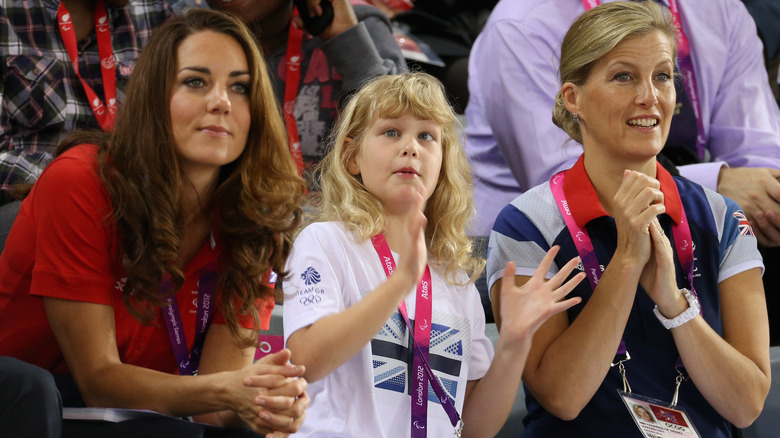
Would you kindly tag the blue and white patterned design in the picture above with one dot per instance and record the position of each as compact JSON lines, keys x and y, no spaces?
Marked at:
{"x":310,"y":276}
{"x":392,"y":356}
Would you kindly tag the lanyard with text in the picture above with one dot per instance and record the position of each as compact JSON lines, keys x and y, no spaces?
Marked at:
{"x":685,"y":63}
{"x":105,"y":114}
{"x":293,"y":60}
{"x":682,"y":241}
{"x":422,"y":339}
{"x":207,"y":285}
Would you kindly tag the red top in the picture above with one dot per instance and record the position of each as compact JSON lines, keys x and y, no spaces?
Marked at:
{"x":585,"y":204}
{"x":64,"y":244}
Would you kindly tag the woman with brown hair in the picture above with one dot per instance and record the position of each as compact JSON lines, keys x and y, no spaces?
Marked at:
{"x":153,"y":247}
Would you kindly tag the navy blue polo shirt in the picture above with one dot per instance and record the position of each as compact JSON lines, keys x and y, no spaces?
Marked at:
{"x":724,"y":245}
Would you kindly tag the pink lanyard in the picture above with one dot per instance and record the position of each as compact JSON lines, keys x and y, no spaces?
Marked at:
{"x":105,"y":115}
{"x":681,"y":233}
{"x":293,"y":59}
{"x":422,"y":340}
{"x":187,"y":362}
{"x":685,"y":64}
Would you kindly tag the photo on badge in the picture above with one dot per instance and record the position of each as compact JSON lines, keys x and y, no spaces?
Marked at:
{"x":655,"y":419}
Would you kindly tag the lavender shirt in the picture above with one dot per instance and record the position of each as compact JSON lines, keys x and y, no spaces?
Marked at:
{"x":513,"y":77}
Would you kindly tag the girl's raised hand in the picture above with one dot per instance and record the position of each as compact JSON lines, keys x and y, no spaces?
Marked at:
{"x":525,"y":308}
{"x":413,"y":254}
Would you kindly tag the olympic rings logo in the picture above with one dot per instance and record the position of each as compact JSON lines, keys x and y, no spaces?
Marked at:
{"x":311,"y":299}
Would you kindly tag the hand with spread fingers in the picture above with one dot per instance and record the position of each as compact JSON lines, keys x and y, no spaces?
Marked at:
{"x":525,"y":308}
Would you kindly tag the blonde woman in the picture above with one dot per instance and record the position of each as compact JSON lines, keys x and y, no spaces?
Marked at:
{"x":674,"y":272}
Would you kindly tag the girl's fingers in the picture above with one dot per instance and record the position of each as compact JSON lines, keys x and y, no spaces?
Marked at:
{"x":547,"y":261}
{"x":508,"y":279}
{"x":564,"y":305}
{"x":564,"y":272}
{"x":567,"y":287}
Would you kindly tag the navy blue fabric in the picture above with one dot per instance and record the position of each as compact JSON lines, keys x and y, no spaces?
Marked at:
{"x":651,"y":370}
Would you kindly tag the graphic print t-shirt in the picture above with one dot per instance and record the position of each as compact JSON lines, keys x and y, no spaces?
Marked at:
{"x":369,"y":395}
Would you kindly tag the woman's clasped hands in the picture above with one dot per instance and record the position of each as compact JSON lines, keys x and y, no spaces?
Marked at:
{"x":636,"y":206}
{"x":270,"y":396}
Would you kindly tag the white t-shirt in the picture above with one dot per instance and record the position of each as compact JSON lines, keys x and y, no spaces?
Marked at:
{"x":368,"y":396}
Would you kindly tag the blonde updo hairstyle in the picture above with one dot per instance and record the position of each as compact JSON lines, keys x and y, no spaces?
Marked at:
{"x":450,"y":207}
{"x":594,"y":34}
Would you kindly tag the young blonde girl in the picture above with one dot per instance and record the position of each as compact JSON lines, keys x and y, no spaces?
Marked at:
{"x":396,"y":188}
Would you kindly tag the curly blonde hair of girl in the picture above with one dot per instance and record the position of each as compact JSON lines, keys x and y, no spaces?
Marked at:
{"x":451,"y":205}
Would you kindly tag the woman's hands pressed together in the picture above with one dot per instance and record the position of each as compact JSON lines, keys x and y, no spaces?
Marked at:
{"x":635,"y":205}
{"x":641,"y":240}
{"x":272,"y":395}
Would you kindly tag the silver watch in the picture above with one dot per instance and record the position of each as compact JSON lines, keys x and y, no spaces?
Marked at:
{"x":687,"y":315}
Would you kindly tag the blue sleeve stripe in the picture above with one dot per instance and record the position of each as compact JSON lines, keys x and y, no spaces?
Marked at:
{"x":514,"y":224}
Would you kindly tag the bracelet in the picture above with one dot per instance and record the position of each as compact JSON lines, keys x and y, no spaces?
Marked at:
{"x":687,"y":315}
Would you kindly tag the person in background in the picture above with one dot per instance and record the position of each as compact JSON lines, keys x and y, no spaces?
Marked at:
{"x":137,"y":270}
{"x":449,"y":27}
{"x":766,"y":14}
{"x":674,"y":274}
{"x":314,"y":74}
{"x":513,"y":145}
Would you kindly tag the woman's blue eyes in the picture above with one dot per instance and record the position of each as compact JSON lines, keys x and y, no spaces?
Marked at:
{"x":239,"y":87}
{"x":426,"y":136}
{"x":193,"y":82}
{"x":623,"y":77}
{"x":391,"y":133}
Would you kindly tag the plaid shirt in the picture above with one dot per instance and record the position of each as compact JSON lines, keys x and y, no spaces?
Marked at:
{"x":41,"y":98}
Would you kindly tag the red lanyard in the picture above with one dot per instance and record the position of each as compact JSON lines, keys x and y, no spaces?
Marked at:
{"x":681,"y":233}
{"x":105,"y":115}
{"x":293,"y":59}
{"x":422,"y":340}
{"x":685,"y":63}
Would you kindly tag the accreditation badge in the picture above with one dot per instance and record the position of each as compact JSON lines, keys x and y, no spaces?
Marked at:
{"x":655,"y":419}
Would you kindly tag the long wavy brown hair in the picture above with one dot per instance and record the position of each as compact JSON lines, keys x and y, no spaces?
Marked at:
{"x":255,"y":206}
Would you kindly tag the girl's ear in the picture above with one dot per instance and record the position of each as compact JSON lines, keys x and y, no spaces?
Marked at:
{"x":353,"y":167}
{"x":570,"y":93}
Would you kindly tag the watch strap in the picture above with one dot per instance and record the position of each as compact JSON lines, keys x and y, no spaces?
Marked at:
{"x":687,"y":314}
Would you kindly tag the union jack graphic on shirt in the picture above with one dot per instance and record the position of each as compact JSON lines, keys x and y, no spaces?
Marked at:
{"x":392,"y":354}
{"x":744,"y":224}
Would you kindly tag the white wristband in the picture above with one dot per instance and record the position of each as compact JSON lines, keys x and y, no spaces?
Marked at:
{"x":687,"y":315}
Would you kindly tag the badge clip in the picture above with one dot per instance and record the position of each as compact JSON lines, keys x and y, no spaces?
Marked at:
{"x":622,"y":371}
{"x":677,"y":382}
{"x":458,"y":429}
